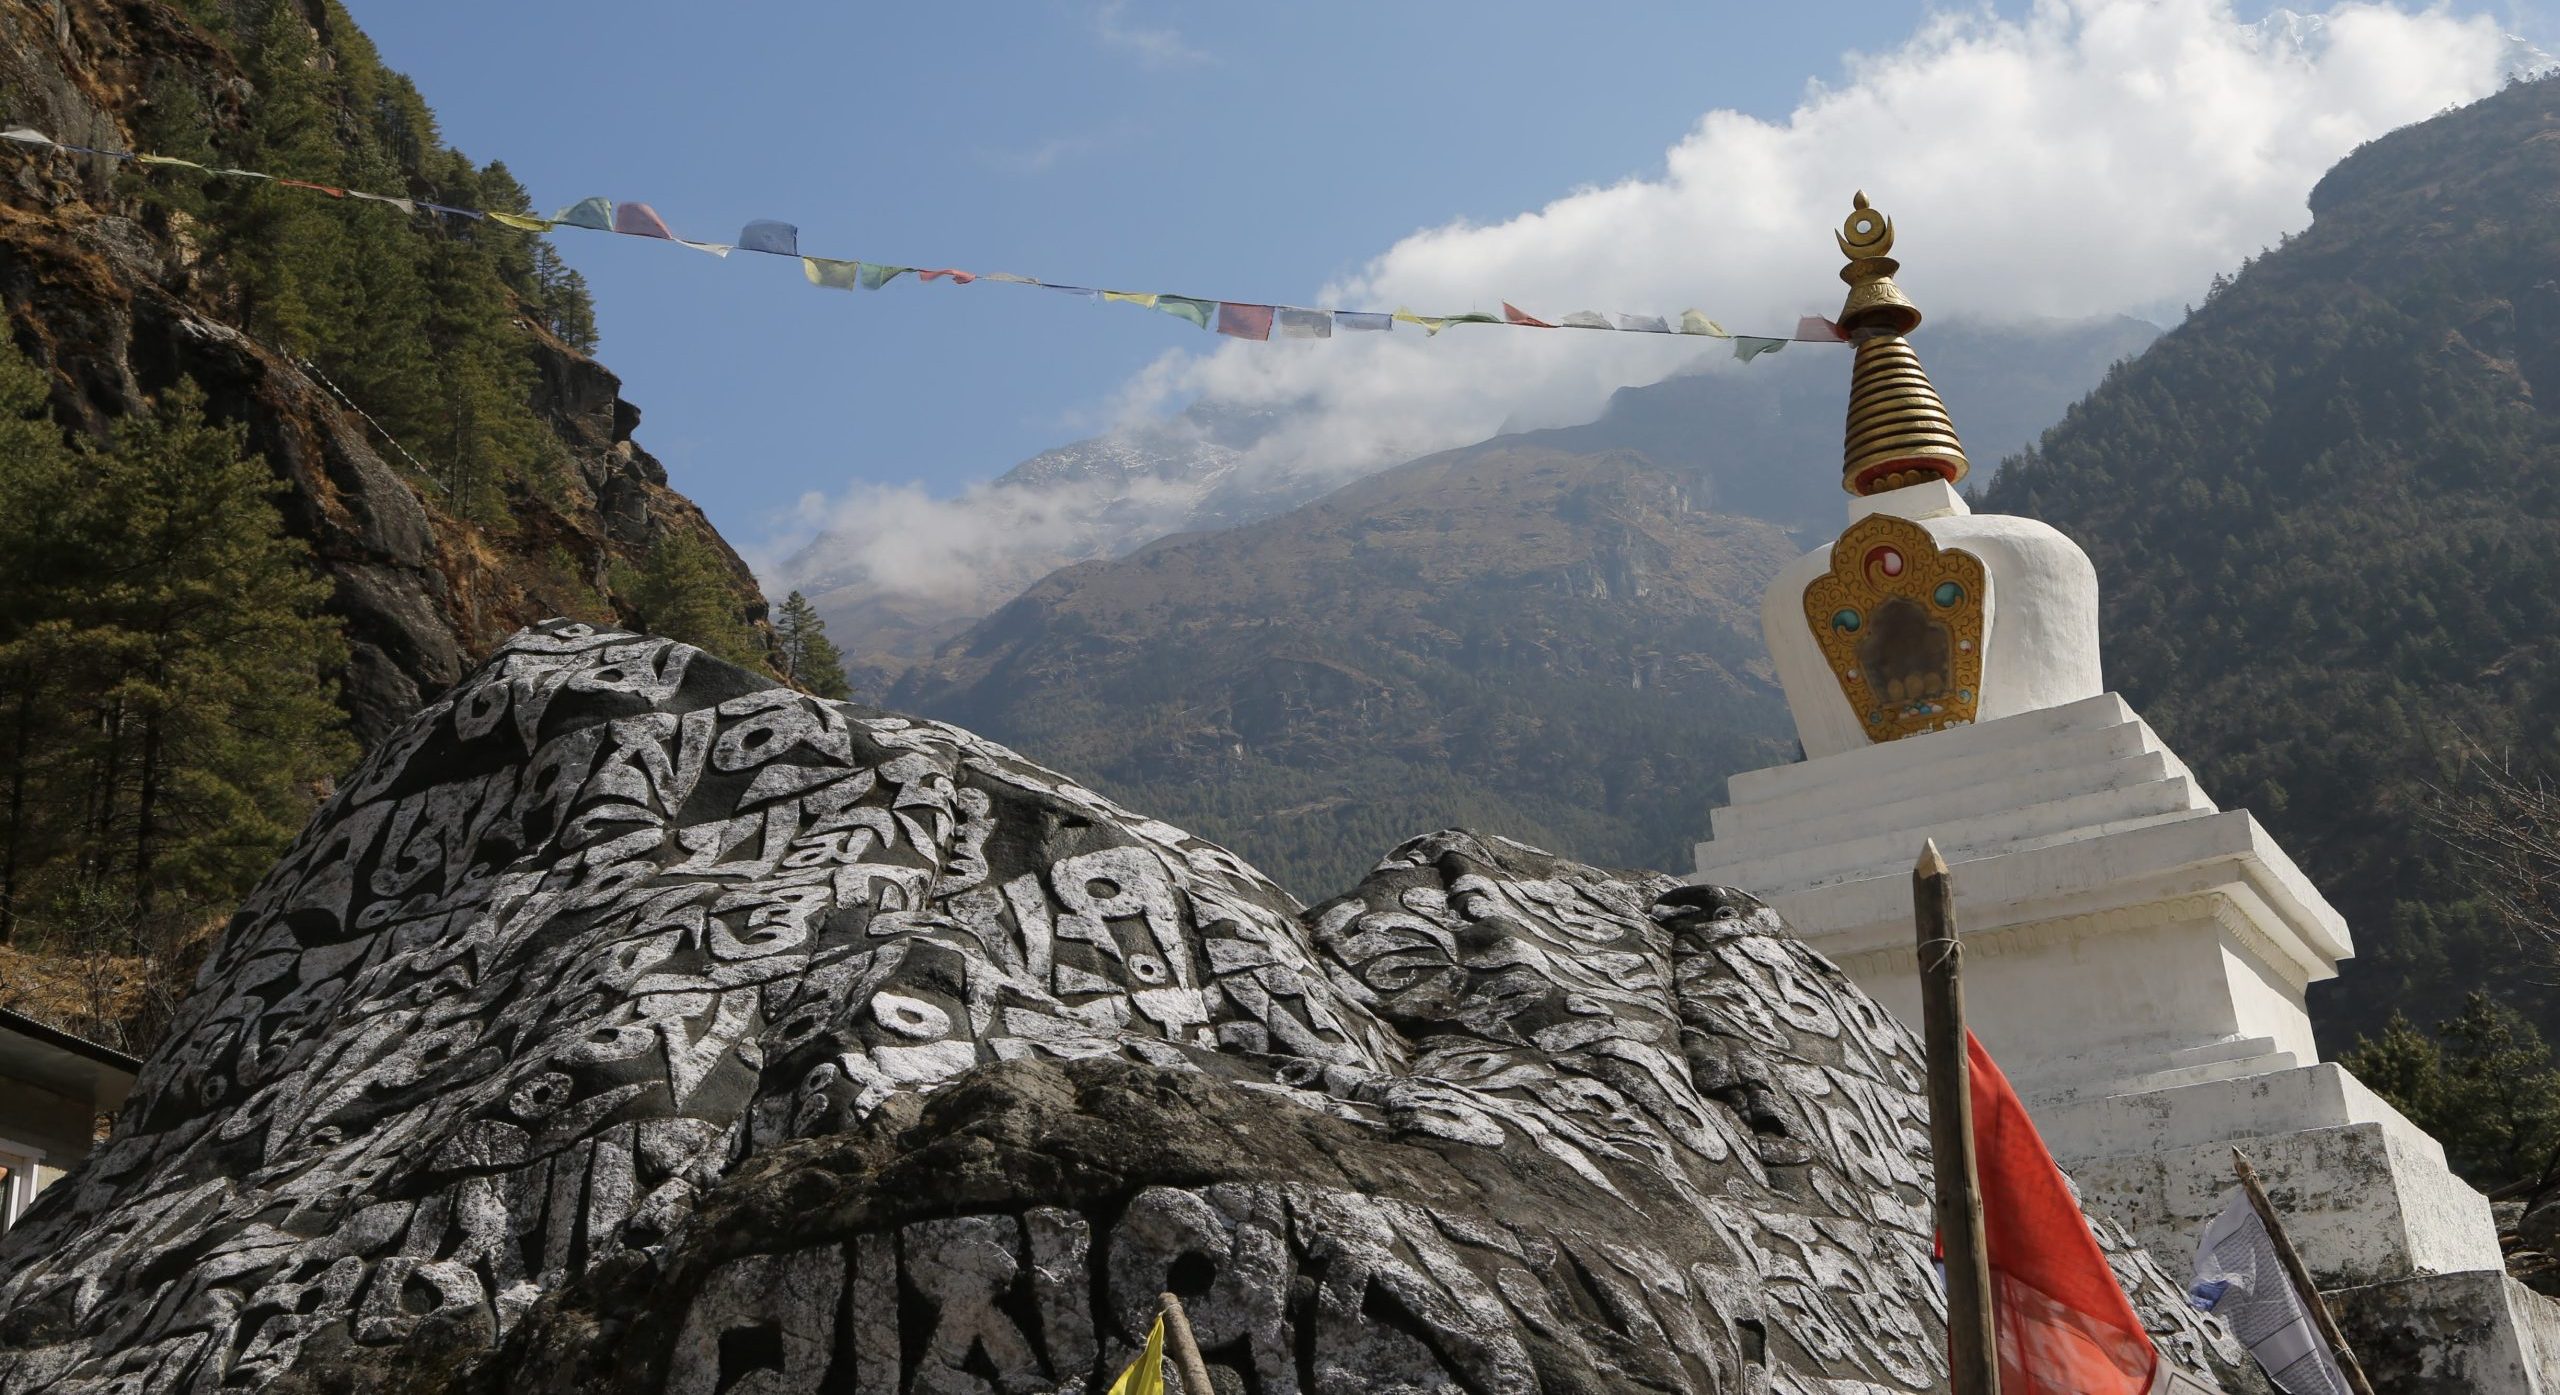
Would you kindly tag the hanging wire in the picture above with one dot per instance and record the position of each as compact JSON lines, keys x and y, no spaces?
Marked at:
{"x":335,"y":391}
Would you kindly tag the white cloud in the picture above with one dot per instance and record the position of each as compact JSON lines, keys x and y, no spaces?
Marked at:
{"x":1153,"y":45}
{"x":2096,"y":156}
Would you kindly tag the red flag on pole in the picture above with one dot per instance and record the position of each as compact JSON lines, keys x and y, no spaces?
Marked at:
{"x":2064,"y":1324}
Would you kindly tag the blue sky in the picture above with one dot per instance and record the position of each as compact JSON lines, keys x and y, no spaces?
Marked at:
{"x":1245,"y":151}
{"x":1252,"y":151}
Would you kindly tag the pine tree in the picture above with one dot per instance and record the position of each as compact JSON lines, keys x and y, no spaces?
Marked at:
{"x":39,"y":572}
{"x":165,"y":719}
{"x":215,"y":720}
{"x":682,"y":592}
{"x":807,"y":656}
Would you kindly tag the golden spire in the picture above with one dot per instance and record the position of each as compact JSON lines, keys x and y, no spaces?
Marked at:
{"x":1898,"y":432}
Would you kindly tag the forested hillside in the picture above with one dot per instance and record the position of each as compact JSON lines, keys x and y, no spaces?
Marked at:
{"x":1561,"y":647}
{"x":217,"y":579}
{"x":2325,"y":511}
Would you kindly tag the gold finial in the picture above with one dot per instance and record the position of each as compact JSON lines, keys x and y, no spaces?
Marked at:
{"x":1899,"y":432}
{"x":1865,"y":232}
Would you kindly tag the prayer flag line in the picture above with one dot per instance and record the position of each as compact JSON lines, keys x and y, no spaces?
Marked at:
{"x":1239,"y":319}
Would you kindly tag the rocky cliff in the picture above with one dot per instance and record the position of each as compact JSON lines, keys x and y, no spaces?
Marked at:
{"x":626,"y":1024}
{"x":119,"y":296}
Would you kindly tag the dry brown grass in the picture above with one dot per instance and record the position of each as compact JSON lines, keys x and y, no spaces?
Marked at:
{"x":123,"y":1000}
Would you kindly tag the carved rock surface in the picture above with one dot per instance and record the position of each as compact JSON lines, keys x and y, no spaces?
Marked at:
{"x":625,"y":1024}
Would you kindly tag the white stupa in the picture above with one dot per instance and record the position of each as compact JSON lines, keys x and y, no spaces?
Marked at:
{"x":2135,"y":957}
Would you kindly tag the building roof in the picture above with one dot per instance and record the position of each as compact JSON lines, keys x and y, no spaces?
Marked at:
{"x":53,"y":1059}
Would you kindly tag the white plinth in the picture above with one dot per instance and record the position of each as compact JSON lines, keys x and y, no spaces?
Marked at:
{"x":2135,"y":958}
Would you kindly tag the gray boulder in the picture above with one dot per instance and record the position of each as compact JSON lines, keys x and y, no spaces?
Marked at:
{"x":627,"y":1024}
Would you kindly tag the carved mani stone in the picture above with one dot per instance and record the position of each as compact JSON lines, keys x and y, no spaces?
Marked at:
{"x":626,"y":1024}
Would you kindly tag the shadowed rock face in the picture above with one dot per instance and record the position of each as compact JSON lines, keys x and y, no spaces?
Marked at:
{"x":626,"y":1025}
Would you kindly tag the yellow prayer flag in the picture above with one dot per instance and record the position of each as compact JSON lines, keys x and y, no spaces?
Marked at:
{"x":1694,"y":322}
{"x":828,"y":271}
{"x":1145,"y":298}
{"x":1431,"y":324}
{"x":521,"y":223}
{"x":1145,"y":1375}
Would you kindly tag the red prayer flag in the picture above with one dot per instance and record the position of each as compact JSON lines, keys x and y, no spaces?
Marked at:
{"x":2064,"y":1324}
{"x":1518,"y":316}
{"x":1244,"y":321}
{"x":958,"y":278}
{"x":1815,"y":329}
{"x":316,"y":188}
{"x":640,"y":220}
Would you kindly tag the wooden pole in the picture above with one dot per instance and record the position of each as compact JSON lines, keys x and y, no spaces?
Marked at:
{"x":1973,"y":1351}
{"x":2300,"y":1274}
{"x":1186,"y":1348}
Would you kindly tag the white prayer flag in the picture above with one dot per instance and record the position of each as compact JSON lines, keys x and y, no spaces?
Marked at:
{"x":2239,"y":1279}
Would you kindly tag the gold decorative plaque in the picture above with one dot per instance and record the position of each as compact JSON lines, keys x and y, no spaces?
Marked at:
{"x":1900,"y":621}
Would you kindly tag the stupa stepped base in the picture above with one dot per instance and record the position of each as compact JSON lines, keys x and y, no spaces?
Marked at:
{"x":2136,"y":958}
{"x":2481,"y":1333}
{"x":2365,"y":1194}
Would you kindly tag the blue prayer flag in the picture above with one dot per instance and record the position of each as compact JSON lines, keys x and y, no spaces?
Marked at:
{"x":766,"y":235}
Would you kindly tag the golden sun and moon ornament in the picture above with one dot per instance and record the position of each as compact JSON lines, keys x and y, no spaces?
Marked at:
{"x":1900,"y":619}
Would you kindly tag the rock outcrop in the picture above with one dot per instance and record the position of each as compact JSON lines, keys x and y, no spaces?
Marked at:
{"x":119,"y":304}
{"x":626,"y":1024}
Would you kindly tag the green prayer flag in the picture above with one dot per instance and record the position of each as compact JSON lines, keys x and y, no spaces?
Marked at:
{"x":168,"y":160}
{"x":874,"y":275}
{"x":596,"y":213}
{"x":1747,"y":347}
{"x":1185,"y":307}
{"x":826,"y":271}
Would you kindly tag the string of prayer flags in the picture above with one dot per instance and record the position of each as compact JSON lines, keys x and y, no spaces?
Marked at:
{"x":772,"y":237}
